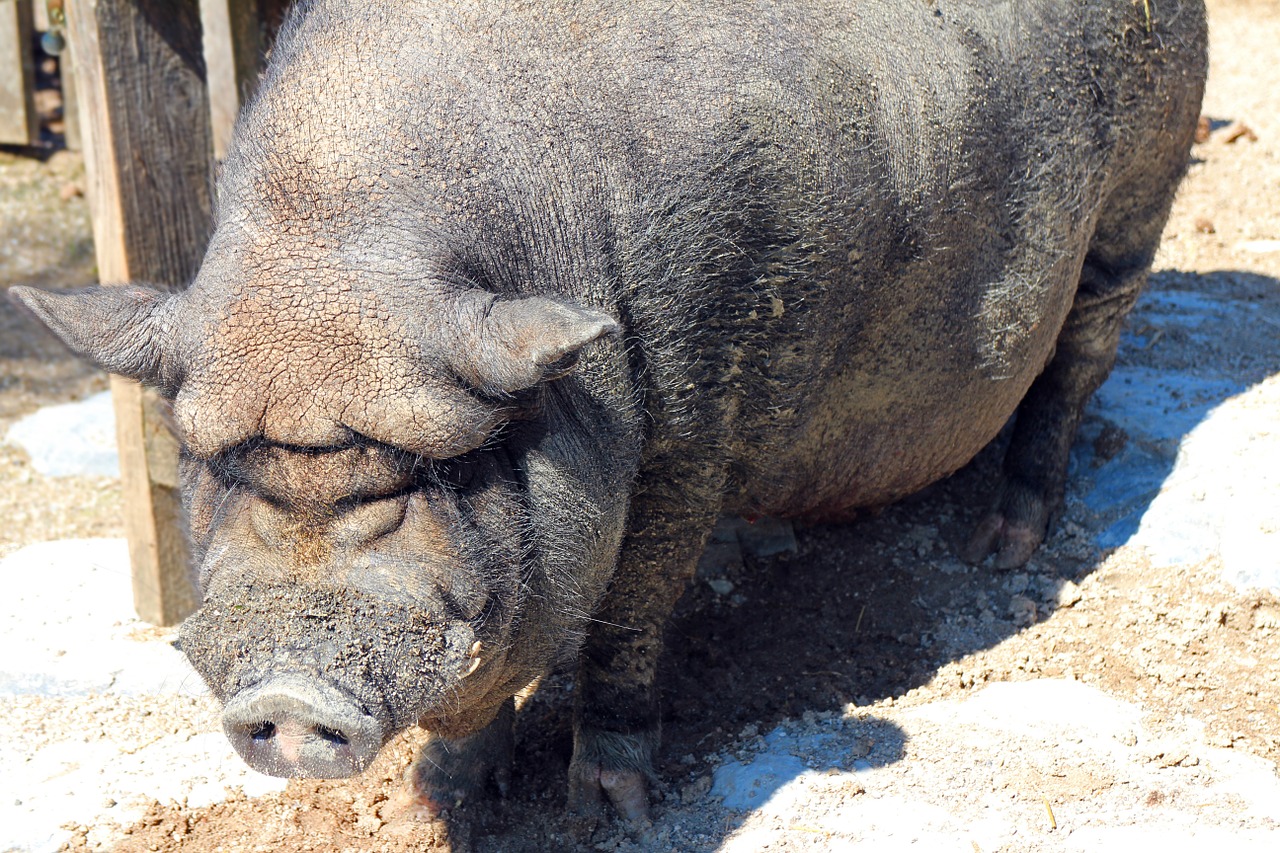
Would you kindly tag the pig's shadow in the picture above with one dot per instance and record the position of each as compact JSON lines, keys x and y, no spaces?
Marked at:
{"x":872,"y":609}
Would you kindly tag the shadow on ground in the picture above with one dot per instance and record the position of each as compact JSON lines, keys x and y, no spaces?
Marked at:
{"x":864,"y":612}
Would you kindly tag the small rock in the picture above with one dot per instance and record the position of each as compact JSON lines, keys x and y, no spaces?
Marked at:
{"x":861,"y":748}
{"x":70,"y":191}
{"x":695,"y":791}
{"x":720,"y":586}
{"x":851,"y":788}
{"x":767,"y":537}
{"x":1205,"y":225}
{"x":1109,"y":443}
{"x":368,"y":824}
{"x":1169,"y":755}
{"x":720,"y":557}
{"x":1022,"y":610}
{"x":1204,"y":127}
{"x":1220,"y":739}
{"x":1068,"y":594}
{"x":1266,"y":617}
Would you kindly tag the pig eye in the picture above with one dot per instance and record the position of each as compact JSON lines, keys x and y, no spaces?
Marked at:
{"x":228,"y":469}
{"x":455,"y":473}
{"x":458,"y":473}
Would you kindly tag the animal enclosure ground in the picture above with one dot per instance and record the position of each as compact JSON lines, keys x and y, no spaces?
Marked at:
{"x":867,"y":630}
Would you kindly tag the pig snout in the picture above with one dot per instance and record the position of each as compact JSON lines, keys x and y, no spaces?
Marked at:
{"x":294,"y":726}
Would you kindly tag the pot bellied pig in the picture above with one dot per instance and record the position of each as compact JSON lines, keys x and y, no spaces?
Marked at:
{"x":506,"y":305}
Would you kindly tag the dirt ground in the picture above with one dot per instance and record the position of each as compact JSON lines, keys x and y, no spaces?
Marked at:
{"x":874,"y":618}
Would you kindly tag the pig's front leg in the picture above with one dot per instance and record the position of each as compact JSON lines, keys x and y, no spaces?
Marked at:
{"x":616,"y":721}
{"x":448,"y":771}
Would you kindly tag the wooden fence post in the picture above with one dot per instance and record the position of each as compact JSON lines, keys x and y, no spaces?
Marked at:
{"x":18,"y":121}
{"x":144,"y":110}
{"x":234,"y":44}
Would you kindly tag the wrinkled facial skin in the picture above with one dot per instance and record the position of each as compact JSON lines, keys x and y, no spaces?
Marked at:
{"x":394,"y":516}
{"x":375,"y":574}
{"x":358,"y":586}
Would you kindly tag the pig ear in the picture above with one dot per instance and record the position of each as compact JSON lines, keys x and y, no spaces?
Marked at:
{"x":521,"y":342}
{"x":124,"y":329}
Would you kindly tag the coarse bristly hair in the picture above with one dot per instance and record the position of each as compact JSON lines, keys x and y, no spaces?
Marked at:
{"x":560,"y":289}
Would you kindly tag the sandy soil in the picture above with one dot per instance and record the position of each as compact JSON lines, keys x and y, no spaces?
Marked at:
{"x":872,"y":633}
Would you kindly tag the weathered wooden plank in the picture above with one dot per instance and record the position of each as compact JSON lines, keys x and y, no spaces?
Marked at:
{"x":233,"y":52}
{"x":237,"y":37}
{"x":70,"y":103}
{"x":145,"y":126}
{"x":19,"y":124}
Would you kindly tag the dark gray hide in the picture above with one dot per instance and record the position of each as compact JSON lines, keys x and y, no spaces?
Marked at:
{"x":505,"y":306}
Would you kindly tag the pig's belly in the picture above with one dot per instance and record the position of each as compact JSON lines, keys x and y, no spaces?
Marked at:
{"x":911,"y":398}
{"x":869,"y":442}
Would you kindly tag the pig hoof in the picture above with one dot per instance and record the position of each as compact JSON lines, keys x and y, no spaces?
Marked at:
{"x":1013,"y":530}
{"x":611,"y":766}
{"x":1013,"y":543}
{"x":627,"y":790}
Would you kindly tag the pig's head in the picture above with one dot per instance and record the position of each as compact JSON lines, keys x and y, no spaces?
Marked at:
{"x":381,"y":493}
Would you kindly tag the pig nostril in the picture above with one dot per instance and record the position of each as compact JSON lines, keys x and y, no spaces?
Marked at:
{"x":334,"y":737}
{"x":292,"y":725}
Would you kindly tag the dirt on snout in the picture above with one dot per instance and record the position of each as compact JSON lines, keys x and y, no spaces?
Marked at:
{"x":869,"y":657}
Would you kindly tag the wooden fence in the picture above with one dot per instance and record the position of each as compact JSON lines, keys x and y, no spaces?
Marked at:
{"x":19,"y":124}
{"x":152,"y":120}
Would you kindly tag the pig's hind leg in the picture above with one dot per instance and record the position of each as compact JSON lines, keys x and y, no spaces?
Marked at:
{"x":1114,"y":272}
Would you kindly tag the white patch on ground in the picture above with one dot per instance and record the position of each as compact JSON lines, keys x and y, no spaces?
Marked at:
{"x":68,"y":626}
{"x":68,"y":631}
{"x":1198,"y":475}
{"x":1225,"y":487}
{"x":1258,"y":247}
{"x":73,"y":439}
{"x":1052,"y":762}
